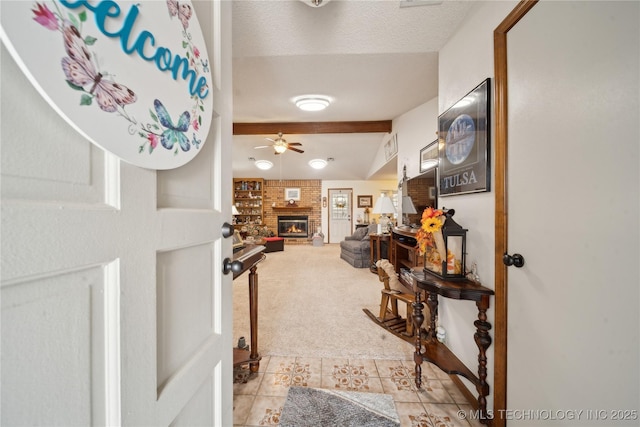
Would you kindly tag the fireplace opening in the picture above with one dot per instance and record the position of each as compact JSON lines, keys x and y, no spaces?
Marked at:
{"x":296,"y":226}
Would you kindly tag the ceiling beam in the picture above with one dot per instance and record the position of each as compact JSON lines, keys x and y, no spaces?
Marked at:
{"x":306,"y":128}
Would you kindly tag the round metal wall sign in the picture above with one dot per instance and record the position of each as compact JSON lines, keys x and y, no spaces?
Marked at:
{"x":132,"y":77}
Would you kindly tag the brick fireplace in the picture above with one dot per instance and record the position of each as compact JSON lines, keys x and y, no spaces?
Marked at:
{"x":309,"y":205}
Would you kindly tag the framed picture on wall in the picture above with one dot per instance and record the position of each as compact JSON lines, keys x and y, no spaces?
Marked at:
{"x":291,"y":194}
{"x":429,"y":157}
{"x":463,"y":138}
{"x":365,"y":201}
{"x":432,"y":192}
{"x":391,"y":147}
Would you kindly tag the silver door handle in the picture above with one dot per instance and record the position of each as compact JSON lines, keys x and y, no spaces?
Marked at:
{"x":227,"y":230}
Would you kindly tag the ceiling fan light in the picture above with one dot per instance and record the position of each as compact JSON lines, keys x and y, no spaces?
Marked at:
{"x":280,"y":148}
{"x":312,"y":103}
{"x":318,"y":163}
{"x":263,"y":164}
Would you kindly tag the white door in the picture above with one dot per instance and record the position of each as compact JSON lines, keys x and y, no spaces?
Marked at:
{"x":340,"y":224}
{"x":574,"y":211}
{"x":114,"y":307}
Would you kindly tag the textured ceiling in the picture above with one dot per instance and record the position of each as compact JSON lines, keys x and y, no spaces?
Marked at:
{"x":374,"y":59}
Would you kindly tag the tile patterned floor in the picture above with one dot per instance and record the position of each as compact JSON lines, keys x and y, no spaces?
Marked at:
{"x":258,"y":398}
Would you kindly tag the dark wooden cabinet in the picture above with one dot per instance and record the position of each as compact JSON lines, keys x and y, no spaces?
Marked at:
{"x":404,"y":249}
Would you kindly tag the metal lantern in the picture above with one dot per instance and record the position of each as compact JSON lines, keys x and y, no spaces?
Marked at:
{"x":455,"y":245}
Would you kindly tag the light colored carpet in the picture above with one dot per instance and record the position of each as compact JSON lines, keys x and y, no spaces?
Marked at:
{"x":313,"y":407}
{"x":310,"y":305}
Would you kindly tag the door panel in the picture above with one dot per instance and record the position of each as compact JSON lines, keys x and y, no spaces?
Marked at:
{"x":573,"y":151}
{"x":115,"y":310}
{"x":62,"y":310}
{"x":184,"y":308}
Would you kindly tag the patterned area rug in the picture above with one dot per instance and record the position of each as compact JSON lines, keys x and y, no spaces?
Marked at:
{"x":314,"y":407}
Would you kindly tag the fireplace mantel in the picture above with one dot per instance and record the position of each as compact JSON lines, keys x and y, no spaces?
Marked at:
{"x":291,"y":208}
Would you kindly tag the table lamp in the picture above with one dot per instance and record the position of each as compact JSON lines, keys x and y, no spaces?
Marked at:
{"x":384,"y":207}
{"x":407,"y":208}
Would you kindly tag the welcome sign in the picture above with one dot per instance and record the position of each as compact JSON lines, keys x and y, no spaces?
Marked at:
{"x":132,"y":77}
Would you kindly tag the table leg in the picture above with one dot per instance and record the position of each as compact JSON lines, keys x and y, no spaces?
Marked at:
{"x":418,"y":318}
{"x":432,"y":302}
{"x":253,"y":317}
{"x":483,"y":341}
{"x":372,"y":259}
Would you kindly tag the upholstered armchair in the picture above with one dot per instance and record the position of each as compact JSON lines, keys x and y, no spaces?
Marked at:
{"x":355,"y":249}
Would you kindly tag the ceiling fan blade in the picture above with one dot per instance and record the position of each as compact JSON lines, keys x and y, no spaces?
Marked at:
{"x":262,"y":146}
{"x":295,"y":149}
{"x":294,"y":143}
{"x":269,"y":139}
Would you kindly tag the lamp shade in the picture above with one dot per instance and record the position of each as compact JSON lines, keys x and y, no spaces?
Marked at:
{"x":384,"y":205}
{"x":407,"y":209}
{"x":408,"y":206}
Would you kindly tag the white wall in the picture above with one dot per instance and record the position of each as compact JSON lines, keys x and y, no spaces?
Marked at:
{"x":415,"y":130}
{"x":465,"y":61}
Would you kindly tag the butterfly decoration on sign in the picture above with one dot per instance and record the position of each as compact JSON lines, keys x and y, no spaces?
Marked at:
{"x":80,"y":72}
{"x":173,"y":133}
{"x":196,"y":142}
{"x":182,"y":11}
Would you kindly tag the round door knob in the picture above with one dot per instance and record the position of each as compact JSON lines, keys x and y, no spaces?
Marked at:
{"x":516,"y":260}
{"x":227,"y":230}
{"x":228,"y":266}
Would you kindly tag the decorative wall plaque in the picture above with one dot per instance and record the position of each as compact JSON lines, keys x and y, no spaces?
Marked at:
{"x":132,"y":77}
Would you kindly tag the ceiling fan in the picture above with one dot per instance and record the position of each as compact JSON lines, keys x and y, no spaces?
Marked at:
{"x":280,"y":145}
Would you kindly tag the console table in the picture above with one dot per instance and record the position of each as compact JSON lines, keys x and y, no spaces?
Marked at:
{"x":438,"y":353}
{"x":249,"y":257}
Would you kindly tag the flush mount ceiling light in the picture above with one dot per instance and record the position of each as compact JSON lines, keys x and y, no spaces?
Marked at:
{"x":412,"y":3}
{"x":315,"y":3}
{"x":318,"y":163}
{"x":312,"y":102}
{"x":263,"y":164}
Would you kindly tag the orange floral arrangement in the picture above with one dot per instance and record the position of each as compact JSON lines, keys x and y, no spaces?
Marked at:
{"x":431,"y":243}
{"x":431,"y":223}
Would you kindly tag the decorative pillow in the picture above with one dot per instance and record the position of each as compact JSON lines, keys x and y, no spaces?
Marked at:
{"x":394,"y":282}
{"x":360,"y":233}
